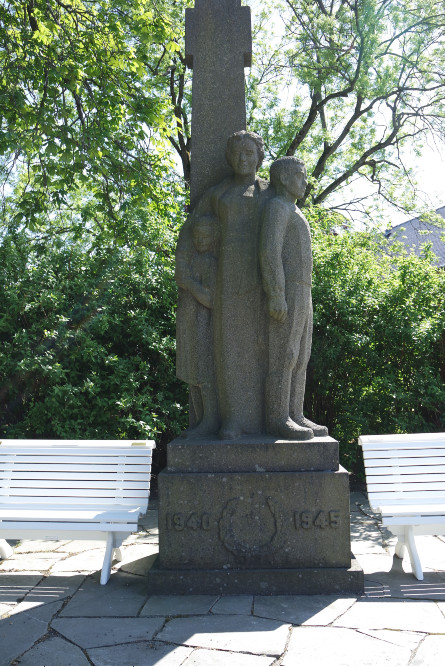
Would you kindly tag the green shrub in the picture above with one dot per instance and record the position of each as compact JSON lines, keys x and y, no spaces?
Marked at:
{"x":87,"y":341}
{"x":378,"y":355}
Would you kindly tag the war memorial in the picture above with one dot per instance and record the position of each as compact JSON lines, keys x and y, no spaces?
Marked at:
{"x":253,"y":499}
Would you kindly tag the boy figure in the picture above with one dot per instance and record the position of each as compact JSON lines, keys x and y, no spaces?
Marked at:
{"x":195,"y":306}
{"x":286,"y":269}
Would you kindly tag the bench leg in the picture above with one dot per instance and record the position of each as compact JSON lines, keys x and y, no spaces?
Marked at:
{"x":118,"y":554}
{"x":106,"y":567}
{"x":413,"y":555}
{"x":400,"y":547}
{"x":5,"y":549}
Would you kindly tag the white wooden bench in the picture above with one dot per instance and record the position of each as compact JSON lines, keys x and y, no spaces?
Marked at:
{"x":73,"y":489}
{"x":405,"y":476}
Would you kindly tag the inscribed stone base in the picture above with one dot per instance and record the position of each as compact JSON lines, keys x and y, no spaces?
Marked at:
{"x":280,"y":523}
{"x":303,"y":581}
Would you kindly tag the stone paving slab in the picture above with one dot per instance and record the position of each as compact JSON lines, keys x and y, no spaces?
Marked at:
{"x":407,"y":639}
{"x":54,"y":587}
{"x":404,"y":586}
{"x":431,"y":652}
{"x":79,"y":546}
{"x":233,"y":604}
{"x":31,"y":546}
{"x":18,"y":633}
{"x":13,"y":587}
{"x":123,"y":595}
{"x":54,"y":651}
{"x":87,"y":561}
{"x":36,"y":562}
{"x":341,"y":647}
{"x":413,"y":615}
{"x":35,"y":609}
{"x":178,"y":605}
{"x":96,"y":632}
{"x":141,"y":566}
{"x":141,"y":653}
{"x":201,"y":657}
{"x":237,"y":633}
{"x":302,"y":609}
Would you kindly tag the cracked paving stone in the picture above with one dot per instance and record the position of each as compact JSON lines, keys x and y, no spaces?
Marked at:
{"x":302,"y":609}
{"x":341,"y":647}
{"x":139,"y":653}
{"x":178,"y":605}
{"x":18,"y":633}
{"x":233,"y":604}
{"x":430,"y":653}
{"x":123,"y":595}
{"x":97,"y":632}
{"x":394,"y":615}
{"x":230,"y":633}
{"x":202,"y":657}
{"x":54,"y":651}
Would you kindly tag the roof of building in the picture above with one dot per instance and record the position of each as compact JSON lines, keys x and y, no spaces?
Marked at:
{"x":414,"y":233}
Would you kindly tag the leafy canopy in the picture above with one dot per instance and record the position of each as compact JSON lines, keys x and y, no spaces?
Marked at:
{"x":365,"y":86}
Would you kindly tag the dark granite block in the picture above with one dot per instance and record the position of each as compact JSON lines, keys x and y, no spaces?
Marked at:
{"x":306,"y":581}
{"x":255,"y":454}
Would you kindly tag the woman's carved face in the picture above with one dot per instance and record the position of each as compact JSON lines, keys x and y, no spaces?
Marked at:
{"x":243,"y":157}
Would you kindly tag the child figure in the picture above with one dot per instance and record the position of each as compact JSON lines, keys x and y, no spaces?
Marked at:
{"x":195,"y":306}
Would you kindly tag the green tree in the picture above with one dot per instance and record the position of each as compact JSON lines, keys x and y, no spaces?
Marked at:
{"x":365,"y":81}
{"x":84,"y":105}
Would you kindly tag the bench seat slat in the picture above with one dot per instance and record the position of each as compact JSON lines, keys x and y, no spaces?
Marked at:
{"x":413,"y":510}
{"x":406,"y":496}
{"x":107,"y":445}
{"x":56,"y":459}
{"x":56,"y":484}
{"x":26,"y":514}
{"x":400,"y":454}
{"x":384,"y":467}
{"x":77,"y":493}
{"x":366,"y":441}
{"x":78,"y":468}
{"x":407,"y":476}
{"x":406,"y":484}
{"x":74,"y":501}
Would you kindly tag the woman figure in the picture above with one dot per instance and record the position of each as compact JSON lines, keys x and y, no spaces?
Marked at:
{"x":239,"y":314}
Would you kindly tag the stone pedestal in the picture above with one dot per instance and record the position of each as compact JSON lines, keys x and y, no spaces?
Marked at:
{"x":254,"y":516}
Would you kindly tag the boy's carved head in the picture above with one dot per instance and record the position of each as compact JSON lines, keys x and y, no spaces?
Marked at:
{"x":289,"y":174}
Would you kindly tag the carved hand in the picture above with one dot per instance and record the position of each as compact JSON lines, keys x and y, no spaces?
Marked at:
{"x":278,"y":308}
{"x":203,"y":295}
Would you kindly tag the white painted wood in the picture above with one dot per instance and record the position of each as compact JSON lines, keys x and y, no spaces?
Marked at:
{"x":5,"y":550}
{"x":405,"y":476}
{"x":73,"y":490}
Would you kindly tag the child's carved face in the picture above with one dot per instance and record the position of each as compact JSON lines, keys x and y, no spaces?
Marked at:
{"x":203,"y":234}
{"x":203,"y":238}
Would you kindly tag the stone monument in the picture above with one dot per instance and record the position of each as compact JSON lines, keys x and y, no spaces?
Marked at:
{"x":253,"y":499}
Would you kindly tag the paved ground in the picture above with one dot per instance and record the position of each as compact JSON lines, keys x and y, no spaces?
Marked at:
{"x":54,"y":612}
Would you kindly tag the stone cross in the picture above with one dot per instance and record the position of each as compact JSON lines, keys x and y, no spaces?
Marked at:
{"x":218,"y":45}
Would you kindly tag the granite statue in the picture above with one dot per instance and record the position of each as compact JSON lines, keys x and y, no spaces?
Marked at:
{"x":258,"y":316}
{"x":286,"y":271}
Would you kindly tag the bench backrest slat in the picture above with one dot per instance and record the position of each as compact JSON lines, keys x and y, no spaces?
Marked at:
{"x":75,"y":472}
{"x":402,"y":439}
{"x":404,"y":468}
